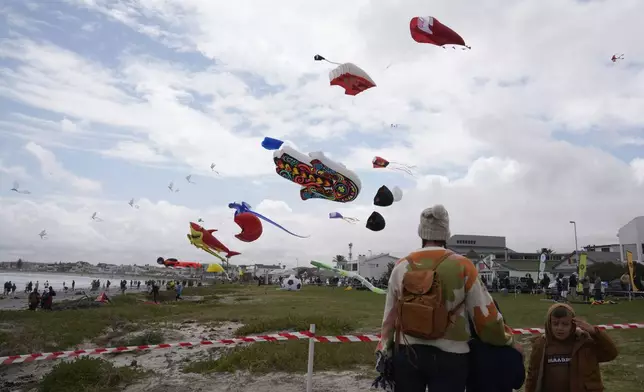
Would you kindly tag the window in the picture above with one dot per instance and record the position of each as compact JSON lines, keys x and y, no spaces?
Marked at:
{"x":605,"y":249}
{"x":466,"y":242}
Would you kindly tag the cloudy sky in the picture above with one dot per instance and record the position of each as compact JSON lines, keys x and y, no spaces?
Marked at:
{"x":102,"y":101}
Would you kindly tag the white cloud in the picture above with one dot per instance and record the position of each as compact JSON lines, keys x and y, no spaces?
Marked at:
{"x":482,"y":126}
{"x":638,"y":169}
{"x":135,"y":151}
{"x":18,"y":172}
{"x":67,"y":125}
{"x":50,"y":167}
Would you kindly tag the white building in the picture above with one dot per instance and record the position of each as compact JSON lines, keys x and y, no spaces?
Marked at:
{"x":372,"y":266}
{"x":631,"y":238}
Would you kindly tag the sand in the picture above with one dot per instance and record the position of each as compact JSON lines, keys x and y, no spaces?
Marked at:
{"x":166,"y":366}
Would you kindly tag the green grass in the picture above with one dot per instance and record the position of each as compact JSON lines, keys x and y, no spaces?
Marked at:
{"x":265,"y":309}
{"x":88,"y":375}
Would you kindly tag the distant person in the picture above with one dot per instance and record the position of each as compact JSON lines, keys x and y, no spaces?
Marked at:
{"x":573,"y":284}
{"x":47,"y":299}
{"x":598,"y":288}
{"x":138,"y":285}
{"x":585,"y":285}
{"x":13,"y":288}
{"x":155,"y":292}
{"x":108,"y":284}
{"x":625,"y":281}
{"x":426,"y":349}
{"x":36,"y":287}
{"x":567,"y":357}
{"x":73,"y":284}
{"x":179,"y":289}
{"x":123,"y":286}
{"x":47,"y":284}
{"x":33,"y":300}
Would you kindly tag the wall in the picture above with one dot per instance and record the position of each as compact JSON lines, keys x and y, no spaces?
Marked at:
{"x":631,"y":237}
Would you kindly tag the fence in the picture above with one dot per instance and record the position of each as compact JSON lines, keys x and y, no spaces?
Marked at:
{"x":282,"y":336}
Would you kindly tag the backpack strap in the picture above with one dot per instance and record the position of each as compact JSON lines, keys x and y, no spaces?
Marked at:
{"x":438,"y":262}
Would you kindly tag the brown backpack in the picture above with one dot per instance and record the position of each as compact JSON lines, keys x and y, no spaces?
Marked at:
{"x":421,"y":309}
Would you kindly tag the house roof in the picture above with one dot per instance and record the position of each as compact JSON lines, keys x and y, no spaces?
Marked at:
{"x":527,"y":265}
{"x":595,"y":257}
{"x":378,"y":256}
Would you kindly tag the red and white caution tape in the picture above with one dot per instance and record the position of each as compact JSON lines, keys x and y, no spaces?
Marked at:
{"x":114,"y":350}
{"x":283,"y":336}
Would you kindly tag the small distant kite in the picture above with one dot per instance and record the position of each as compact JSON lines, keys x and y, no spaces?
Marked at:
{"x":199,"y":220}
{"x":189,"y":179}
{"x":617,"y":58}
{"x":394,"y":125}
{"x":349,"y":76}
{"x":382,"y":163}
{"x":428,"y":30}
{"x":337,"y":215}
{"x":96,"y":218}
{"x":385,"y":197}
{"x":131,"y":203}
{"x":171,"y":187}
{"x":43,"y":235}
{"x":16,"y":188}
{"x":212,"y":168}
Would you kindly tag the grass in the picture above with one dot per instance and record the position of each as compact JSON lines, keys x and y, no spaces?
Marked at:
{"x":88,"y":375}
{"x":142,"y":339}
{"x":265,"y":309}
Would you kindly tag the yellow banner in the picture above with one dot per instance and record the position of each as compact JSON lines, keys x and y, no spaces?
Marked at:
{"x":629,"y":261}
{"x":581,"y":271}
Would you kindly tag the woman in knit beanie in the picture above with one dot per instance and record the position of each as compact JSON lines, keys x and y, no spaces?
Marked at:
{"x":414,"y":361}
{"x":433,"y":228}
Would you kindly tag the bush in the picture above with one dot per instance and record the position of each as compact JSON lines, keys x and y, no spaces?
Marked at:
{"x":88,"y":375}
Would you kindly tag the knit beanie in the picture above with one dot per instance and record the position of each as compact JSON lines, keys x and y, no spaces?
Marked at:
{"x":434,"y":224}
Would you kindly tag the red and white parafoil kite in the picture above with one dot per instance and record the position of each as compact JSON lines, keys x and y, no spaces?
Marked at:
{"x":428,"y":30}
{"x":349,"y":76}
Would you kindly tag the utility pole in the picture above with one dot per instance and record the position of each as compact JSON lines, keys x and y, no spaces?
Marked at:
{"x":576,"y":246}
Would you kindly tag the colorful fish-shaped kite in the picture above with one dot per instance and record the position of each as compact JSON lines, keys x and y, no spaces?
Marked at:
{"x":318,"y":176}
{"x":249,"y":225}
{"x":204,"y":240}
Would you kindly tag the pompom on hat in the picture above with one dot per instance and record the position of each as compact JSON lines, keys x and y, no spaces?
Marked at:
{"x":434,"y":224}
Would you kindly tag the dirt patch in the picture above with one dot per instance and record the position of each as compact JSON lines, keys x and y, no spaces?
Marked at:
{"x":243,"y":382}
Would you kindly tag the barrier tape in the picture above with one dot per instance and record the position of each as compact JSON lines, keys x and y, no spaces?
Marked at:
{"x":282,"y":336}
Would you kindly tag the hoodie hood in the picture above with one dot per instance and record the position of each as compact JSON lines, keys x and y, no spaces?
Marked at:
{"x":549,"y":335}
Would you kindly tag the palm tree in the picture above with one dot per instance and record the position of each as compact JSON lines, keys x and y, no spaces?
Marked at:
{"x":340,"y":261}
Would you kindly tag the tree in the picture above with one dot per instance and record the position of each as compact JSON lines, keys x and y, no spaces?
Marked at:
{"x":339,"y":261}
{"x":547,"y":251}
{"x":387,"y":274}
{"x":19,"y":264}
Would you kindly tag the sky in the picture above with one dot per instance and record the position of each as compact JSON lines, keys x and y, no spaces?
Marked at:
{"x":102,"y":101}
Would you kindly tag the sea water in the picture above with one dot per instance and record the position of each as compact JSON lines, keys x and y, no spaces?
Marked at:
{"x":56,"y":280}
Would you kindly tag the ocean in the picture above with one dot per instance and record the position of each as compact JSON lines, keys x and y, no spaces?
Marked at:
{"x":56,"y":280}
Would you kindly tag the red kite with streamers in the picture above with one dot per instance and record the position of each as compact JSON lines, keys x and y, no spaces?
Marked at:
{"x":381,"y":163}
{"x":428,"y":30}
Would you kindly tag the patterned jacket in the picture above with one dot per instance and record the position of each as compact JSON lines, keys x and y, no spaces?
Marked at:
{"x":460,"y":281}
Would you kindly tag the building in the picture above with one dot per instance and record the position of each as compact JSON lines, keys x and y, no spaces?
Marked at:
{"x":631,"y":238}
{"x":264,"y":269}
{"x":372,"y":267}
{"x":479,"y":244}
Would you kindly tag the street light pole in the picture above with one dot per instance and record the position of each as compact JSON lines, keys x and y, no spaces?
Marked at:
{"x":576,"y":245}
